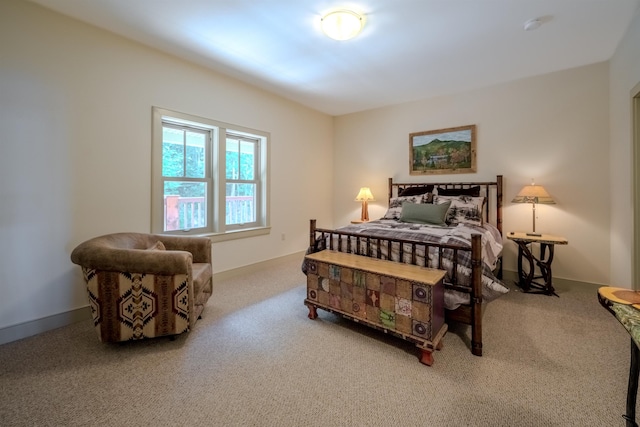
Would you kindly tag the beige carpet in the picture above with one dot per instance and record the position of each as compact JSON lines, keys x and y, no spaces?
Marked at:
{"x":255,"y":359}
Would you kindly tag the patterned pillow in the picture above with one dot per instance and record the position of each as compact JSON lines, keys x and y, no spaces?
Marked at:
{"x":395,"y":205}
{"x":471,"y":191}
{"x":463,"y":209}
{"x":416,"y":190}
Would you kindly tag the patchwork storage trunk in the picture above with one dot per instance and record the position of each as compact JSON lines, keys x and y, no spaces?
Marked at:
{"x":400,"y":299}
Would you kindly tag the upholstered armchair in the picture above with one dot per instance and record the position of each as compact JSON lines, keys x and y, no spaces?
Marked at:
{"x":145,"y":285}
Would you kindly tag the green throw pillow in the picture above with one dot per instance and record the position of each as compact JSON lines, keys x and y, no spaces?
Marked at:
{"x":424,"y":213}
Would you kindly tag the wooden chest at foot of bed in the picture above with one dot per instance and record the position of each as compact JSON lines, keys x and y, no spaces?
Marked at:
{"x":400,"y":299}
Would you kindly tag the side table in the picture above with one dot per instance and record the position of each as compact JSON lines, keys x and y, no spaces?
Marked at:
{"x":527,"y":280}
{"x":624,"y":304}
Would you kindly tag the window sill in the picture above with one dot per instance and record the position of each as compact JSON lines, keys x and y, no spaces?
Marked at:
{"x":238,"y":234}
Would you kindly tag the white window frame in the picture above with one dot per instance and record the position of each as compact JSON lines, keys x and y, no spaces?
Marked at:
{"x":216,"y":228}
{"x":256,"y":178}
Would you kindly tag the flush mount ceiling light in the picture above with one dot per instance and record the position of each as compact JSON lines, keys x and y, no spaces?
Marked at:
{"x":342,"y":24}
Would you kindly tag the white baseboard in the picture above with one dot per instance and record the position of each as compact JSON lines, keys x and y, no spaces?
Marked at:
{"x":38,"y":326}
{"x":511,"y":277}
{"x":257,"y":266}
{"x":35,"y":327}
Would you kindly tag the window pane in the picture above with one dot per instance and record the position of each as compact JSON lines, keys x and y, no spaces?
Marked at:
{"x":195,"y":154}
{"x":247,"y":160}
{"x":172,"y":152}
{"x":232,"y":159}
{"x":241,"y":203}
{"x":185,"y":205}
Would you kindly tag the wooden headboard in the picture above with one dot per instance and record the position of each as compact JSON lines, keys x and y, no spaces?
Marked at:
{"x":492,"y":191}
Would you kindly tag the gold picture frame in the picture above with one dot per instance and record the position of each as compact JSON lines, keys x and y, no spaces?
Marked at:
{"x":453,"y":151}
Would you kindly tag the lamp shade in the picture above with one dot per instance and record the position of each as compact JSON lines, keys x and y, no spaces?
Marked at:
{"x":342,"y":24}
{"x":533,"y":194}
{"x":364,"y":195}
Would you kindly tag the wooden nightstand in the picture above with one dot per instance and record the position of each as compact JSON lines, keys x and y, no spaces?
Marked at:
{"x":526,"y":280}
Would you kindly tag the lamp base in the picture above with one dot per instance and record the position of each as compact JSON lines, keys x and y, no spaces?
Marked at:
{"x":534,"y":234}
{"x":364,"y":216}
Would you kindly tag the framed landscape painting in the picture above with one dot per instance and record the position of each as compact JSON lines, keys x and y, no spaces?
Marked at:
{"x":442,"y":151}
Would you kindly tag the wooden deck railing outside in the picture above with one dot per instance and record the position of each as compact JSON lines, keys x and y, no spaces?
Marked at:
{"x":184,"y":213}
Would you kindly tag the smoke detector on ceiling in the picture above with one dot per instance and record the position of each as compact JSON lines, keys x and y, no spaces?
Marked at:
{"x":532,"y":24}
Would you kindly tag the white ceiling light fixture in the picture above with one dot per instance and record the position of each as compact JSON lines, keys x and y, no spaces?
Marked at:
{"x":342,"y":24}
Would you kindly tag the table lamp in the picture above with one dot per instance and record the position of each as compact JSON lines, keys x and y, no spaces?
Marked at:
{"x":533,"y":194}
{"x":364,"y":196}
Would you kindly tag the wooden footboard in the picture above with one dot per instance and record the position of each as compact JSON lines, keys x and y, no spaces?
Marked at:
{"x":472,"y":314}
{"x":376,"y":247}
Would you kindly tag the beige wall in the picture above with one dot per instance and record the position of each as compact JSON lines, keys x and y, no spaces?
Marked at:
{"x":75,"y":162}
{"x":553,"y":128}
{"x":624,"y":76}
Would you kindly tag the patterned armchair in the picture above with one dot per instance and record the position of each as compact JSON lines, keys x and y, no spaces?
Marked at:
{"x":145,"y":285}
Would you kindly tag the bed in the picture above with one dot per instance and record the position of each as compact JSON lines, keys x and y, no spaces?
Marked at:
{"x":456,"y":227}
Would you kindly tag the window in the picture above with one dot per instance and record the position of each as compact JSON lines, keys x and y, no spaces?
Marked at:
{"x":208,"y":177}
{"x":186,"y":177}
{"x":241,"y":180}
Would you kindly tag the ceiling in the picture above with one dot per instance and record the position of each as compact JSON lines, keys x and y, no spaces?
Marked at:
{"x":408,"y":50}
